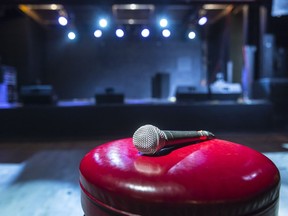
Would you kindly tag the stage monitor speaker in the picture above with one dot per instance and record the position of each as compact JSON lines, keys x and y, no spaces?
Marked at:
{"x":109,"y":97}
{"x":37,"y":95}
{"x":160,"y":85}
{"x":226,"y":91}
{"x":191,"y":93}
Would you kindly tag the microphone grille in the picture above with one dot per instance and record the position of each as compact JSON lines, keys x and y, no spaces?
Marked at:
{"x":146,"y":139}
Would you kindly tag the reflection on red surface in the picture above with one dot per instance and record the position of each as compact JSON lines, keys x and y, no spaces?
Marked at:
{"x":208,"y":172}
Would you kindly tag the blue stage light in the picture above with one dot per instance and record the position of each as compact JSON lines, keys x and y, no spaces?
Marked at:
{"x":163,"y":23}
{"x":71,"y":35}
{"x":62,"y":20}
{"x":166,"y":33}
{"x":98,"y":33}
{"x":202,"y":20}
{"x":119,"y":33}
{"x":145,"y":32}
{"x":103,"y":23}
{"x":191,"y":35}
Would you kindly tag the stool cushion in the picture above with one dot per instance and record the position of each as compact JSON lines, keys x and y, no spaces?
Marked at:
{"x":214,"y":177}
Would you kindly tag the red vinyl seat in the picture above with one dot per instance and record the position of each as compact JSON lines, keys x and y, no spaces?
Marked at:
{"x":210,"y":178}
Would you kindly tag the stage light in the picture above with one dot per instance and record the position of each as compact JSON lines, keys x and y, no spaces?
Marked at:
{"x":62,"y":20}
{"x":97,"y":33}
{"x":166,"y":33}
{"x":103,"y":23}
{"x":191,"y":35}
{"x":133,"y":6}
{"x":54,"y":6}
{"x":71,"y":35}
{"x":119,"y":33}
{"x":131,"y":21}
{"x":202,"y":20}
{"x":163,"y":23}
{"x":145,"y":32}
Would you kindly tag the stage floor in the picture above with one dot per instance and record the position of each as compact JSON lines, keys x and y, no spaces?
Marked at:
{"x":41,"y":178}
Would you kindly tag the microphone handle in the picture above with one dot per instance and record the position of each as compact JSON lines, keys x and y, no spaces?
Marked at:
{"x":181,"y":137}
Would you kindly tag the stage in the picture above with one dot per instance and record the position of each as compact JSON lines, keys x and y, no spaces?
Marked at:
{"x":84,"y":118}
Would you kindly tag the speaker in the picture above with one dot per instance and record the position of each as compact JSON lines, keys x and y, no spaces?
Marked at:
{"x":225,"y":91}
{"x":191,"y":93}
{"x":114,"y":98}
{"x":160,"y":85}
{"x":37,"y":95}
{"x":109,"y":97}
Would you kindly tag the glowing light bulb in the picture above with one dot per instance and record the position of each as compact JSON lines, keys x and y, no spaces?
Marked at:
{"x":119,"y":33}
{"x":191,"y":35}
{"x":163,"y":23}
{"x":71,"y":35}
{"x":62,"y":21}
{"x":166,"y":33}
{"x":97,"y":33}
{"x":103,"y":23}
{"x":202,"y":21}
{"x":145,"y":32}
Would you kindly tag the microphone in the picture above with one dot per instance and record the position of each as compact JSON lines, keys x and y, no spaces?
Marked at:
{"x":149,"y":139}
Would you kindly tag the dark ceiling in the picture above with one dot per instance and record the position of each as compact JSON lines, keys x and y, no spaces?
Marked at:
{"x":110,"y":2}
{"x":184,"y":12}
{"x":121,"y":14}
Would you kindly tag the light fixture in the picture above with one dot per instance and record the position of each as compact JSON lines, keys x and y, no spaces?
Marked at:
{"x":133,"y":6}
{"x":71,"y":35}
{"x":202,"y":20}
{"x":166,"y":33}
{"x":215,"y":6}
{"x":145,"y":32}
{"x":103,"y":23}
{"x":62,"y":21}
{"x":98,"y":33}
{"x":191,"y":35}
{"x":54,"y":6}
{"x":119,"y":33}
{"x":163,"y":22}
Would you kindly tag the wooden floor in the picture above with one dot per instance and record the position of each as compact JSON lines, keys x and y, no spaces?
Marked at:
{"x":40,"y":177}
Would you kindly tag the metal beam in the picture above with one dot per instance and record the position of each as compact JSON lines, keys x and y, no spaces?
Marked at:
{"x":111,"y":2}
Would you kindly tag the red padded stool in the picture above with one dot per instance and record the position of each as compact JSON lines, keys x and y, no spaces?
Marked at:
{"x":211,"y":178}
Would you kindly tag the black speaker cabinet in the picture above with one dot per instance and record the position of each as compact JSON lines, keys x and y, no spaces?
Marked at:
{"x":191,"y":93}
{"x":37,"y":95}
{"x":161,"y":85}
{"x":113,"y":98}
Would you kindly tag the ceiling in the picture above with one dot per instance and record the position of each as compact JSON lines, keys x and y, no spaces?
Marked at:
{"x":121,"y":12}
{"x":126,"y":14}
{"x":110,"y":2}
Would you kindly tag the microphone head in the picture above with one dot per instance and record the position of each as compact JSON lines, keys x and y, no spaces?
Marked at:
{"x":148,"y":139}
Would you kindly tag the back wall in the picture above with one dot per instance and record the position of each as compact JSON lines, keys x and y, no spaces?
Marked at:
{"x":80,"y":68}
{"x":88,"y":65}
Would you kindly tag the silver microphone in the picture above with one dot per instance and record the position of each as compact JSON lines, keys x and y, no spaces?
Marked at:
{"x":149,"y":139}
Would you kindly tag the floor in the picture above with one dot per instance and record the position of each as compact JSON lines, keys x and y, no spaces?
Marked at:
{"x":40,"y":177}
